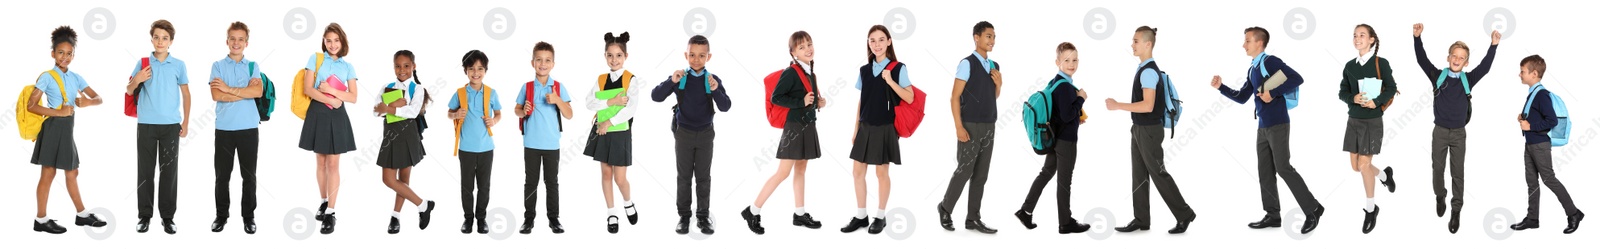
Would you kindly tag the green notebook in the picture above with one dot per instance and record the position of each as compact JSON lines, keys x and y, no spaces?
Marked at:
{"x":390,"y":97}
{"x":611,"y":111}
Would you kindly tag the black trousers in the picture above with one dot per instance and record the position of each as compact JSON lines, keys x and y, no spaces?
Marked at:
{"x":694,"y":168}
{"x":1058,"y":165}
{"x":1149,"y":169}
{"x":157,"y":144}
{"x":245,"y":143}
{"x":1272,"y":162}
{"x":534,"y":163}
{"x":972,"y":170}
{"x":1536,"y":158}
{"x":475,"y":168}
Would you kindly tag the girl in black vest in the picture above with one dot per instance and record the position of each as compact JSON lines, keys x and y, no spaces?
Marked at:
{"x":883,"y":83}
{"x":798,"y":144}
{"x":402,"y":139}
{"x":614,"y":149}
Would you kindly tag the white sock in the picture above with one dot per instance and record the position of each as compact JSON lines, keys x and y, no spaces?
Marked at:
{"x":755,"y":210}
{"x":324,"y":200}
{"x":880,"y":213}
{"x":330,"y":211}
{"x":611,"y":211}
{"x":1371,"y":204}
{"x":84,"y":214}
{"x":799,"y":211}
{"x":1382,"y":175}
{"x":421,"y":207}
{"x":396,"y":215}
{"x":41,"y":220}
{"x":627,"y":207}
{"x":861,"y":213}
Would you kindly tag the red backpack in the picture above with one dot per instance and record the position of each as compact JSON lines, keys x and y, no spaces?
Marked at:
{"x":130,"y":101}
{"x":908,"y":115}
{"x":555,"y":87}
{"x":776,"y":114}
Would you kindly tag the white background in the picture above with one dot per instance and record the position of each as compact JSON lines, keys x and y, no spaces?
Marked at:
{"x":1212,"y":160}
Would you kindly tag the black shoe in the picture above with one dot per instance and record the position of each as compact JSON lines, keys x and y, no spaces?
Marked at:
{"x":168,"y":226}
{"x":1267,"y":221}
{"x":1455,"y":221}
{"x":877,"y":226}
{"x":1026,"y":218}
{"x":1312,"y":220}
{"x":527,"y":226}
{"x":555,"y":226}
{"x":322,"y":210}
{"x":805,"y":220}
{"x":483,"y":226}
{"x":249,"y":226}
{"x":1439,"y":205}
{"x":944,"y":219}
{"x":1183,"y":226}
{"x":1135,"y":225}
{"x":327,"y":224}
{"x":394,"y":225}
{"x":143,"y":226}
{"x":426,"y":216}
{"x":1072,"y":226}
{"x":1572,"y":223}
{"x":853,"y":225}
{"x":611,"y":224}
{"x":1389,"y":183}
{"x":705,"y":226}
{"x":217,"y":225}
{"x":683,"y":225}
{"x":977,"y":225}
{"x":48,"y":227}
{"x":91,"y":221}
{"x":753,"y":221}
{"x":466,"y":227}
{"x":633,"y":215}
{"x":1371,"y":220}
{"x":1527,"y":223}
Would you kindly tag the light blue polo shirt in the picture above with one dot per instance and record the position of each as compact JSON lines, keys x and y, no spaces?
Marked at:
{"x":904,"y":77}
{"x":541,"y":130}
{"x":235,"y":115}
{"x":330,"y":66}
{"x":160,"y":100}
{"x":474,"y":135}
{"x":52,"y":93}
{"x":964,"y":68}
{"x":1148,"y":78}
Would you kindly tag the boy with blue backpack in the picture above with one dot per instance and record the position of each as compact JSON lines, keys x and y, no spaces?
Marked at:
{"x":1544,"y":124}
{"x":1051,"y":118}
{"x":693,"y":131}
{"x":1154,"y":106}
{"x":1452,"y":109}
{"x":1276,"y":87}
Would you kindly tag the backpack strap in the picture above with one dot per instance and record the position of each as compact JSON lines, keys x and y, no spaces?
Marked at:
{"x":318,"y":70}
{"x":60,"y":85}
{"x":803,"y":77}
{"x":685,"y":79}
{"x":1528,"y":106}
{"x":1444,"y":73}
{"x":487,"y":92}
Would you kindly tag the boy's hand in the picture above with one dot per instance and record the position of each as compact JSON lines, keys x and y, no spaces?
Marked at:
{"x":1109,"y":103}
{"x":142,"y":76}
{"x":677,"y":75}
{"x":1494,"y":38}
{"x":1416,"y":30}
{"x":995,"y":75}
{"x":457,"y":114}
{"x":1524,"y":124}
{"x":1216,"y":81}
{"x":1266,"y":97}
{"x":488,"y":123}
{"x":1082,"y":94}
{"x":714,"y":83}
{"x":961,"y":135}
{"x":551,"y":98}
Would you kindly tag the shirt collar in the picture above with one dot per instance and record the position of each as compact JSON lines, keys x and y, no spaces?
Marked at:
{"x":154,"y":60}
{"x":616,"y":75}
{"x":1260,"y":58}
{"x":880,"y":65}
{"x":1364,"y":58}
{"x":546,"y":82}
{"x":1535,"y":87}
{"x":1147,"y":61}
{"x":983,"y":60}
{"x":691,"y":72}
{"x":58,"y":70}
{"x":1064,"y":75}
{"x":1453,"y":74}
{"x":805,"y":66}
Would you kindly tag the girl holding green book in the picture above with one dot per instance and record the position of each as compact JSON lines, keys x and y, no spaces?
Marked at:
{"x":611,"y":142}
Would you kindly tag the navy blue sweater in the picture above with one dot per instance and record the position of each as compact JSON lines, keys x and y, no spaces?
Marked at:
{"x":694,"y":105}
{"x":1068,"y":108}
{"x":1541,"y":118}
{"x":1452,"y":108}
{"x":1267,"y":114}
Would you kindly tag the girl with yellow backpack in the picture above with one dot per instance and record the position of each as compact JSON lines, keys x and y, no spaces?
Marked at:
{"x":47,"y":118}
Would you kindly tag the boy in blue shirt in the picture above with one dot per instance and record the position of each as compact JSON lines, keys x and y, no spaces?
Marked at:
{"x":235,"y":84}
{"x":475,"y":148}
{"x":161,"y":88}
{"x":543,"y":106}
{"x":977,"y":85}
{"x":1148,"y":132}
{"x":1536,"y":125}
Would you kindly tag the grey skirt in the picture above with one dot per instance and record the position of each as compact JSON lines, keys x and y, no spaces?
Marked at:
{"x":1363,"y":136}
{"x":55,"y":146}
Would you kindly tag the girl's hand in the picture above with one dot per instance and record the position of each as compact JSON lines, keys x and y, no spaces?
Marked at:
{"x":602,"y":127}
{"x":810,"y":98}
{"x":619,"y":100}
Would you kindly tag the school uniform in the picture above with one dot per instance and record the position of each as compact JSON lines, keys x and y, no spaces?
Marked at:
{"x":327,"y":130}
{"x":1062,"y":161}
{"x":476,"y":149}
{"x":159,"y":104}
{"x":876,"y":141}
{"x":694,"y":133}
{"x":978,"y":114}
{"x":541,"y":152}
{"x":1149,"y":166}
{"x":615,"y":148}
{"x":1363,"y":132}
{"x":1452,"y":109}
{"x":56,"y":146}
{"x":236,"y":133}
{"x":1536,"y":157}
{"x":1272,"y":134}
{"x":799,"y":138}
{"x":402,"y":140}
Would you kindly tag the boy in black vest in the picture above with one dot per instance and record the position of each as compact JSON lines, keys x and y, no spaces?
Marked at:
{"x":1452,"y":109}
{"x":1148,"y":132}
{"x":1272,"y":130}
{"x":972,"y":106}
{"x":692,"y":127}
{"x":1536,"y":125}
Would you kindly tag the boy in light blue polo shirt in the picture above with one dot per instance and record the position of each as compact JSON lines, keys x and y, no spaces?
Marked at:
{"x":161,"y":88}
{"x":235,"y":84}
{"x":542,"y":112}
{"x":476,"y":149}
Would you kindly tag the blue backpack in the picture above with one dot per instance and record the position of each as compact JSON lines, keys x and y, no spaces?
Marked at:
{"x":1563,"y":129}
{"x":1172,"y":107}
{"x":1292,"y":99}
{"x":1036,"y":118}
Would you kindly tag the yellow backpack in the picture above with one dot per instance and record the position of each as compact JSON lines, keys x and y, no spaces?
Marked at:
{"x":298,"y":101}
{"x":29,"y":123}
{"x":461,"y":96}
